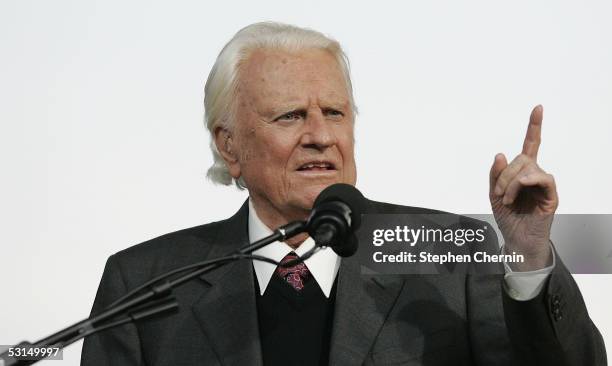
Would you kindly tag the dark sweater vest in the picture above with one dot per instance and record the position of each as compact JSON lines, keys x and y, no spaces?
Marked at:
{"x":295,"y":327}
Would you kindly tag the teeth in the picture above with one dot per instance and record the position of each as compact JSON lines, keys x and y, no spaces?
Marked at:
{"x":317,"y":165}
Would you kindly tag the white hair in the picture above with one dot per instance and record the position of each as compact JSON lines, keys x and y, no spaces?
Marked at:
{"x":221,"y":86}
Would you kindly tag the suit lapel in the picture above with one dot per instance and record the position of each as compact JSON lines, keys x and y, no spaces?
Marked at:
{"x":362,"y":305}
{"x":227,"y":310}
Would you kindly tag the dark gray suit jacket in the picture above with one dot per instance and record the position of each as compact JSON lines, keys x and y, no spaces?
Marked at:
{"x":379,"y":320}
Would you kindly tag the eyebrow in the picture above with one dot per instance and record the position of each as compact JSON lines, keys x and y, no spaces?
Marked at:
{"x":273,"y":112}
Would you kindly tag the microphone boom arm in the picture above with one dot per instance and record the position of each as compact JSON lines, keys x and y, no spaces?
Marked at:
{"x":139,"y":307}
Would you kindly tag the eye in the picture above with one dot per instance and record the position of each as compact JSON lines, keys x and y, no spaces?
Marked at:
{"x":291,"y":116}
{"x":333,"y":113}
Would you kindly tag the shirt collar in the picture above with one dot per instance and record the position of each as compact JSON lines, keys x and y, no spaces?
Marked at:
{"x":323,"y":265}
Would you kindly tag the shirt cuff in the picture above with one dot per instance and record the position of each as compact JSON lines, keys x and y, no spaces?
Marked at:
{"x":524,"y":286}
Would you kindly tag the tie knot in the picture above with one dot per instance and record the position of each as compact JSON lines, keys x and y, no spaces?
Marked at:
{"x":294,"y":275}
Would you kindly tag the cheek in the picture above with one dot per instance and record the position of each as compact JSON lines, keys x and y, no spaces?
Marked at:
{"x":266,"y":151}
{"x":346,"y":144}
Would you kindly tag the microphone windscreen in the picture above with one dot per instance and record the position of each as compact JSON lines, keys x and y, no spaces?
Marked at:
{"x":347,"y":194}
{"x":348,"y":248}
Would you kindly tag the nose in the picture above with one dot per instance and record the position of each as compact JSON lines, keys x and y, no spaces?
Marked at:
{"x":317,"y":133}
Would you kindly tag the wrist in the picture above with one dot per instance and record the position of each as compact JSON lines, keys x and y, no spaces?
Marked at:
{"x":533,"y":259}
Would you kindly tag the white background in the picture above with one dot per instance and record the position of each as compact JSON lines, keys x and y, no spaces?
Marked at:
{"x":102,"y":144}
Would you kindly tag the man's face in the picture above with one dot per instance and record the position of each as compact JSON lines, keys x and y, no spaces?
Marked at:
{"x":293,"y":133}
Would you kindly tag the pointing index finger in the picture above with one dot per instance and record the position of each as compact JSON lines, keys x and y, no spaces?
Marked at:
{"x":534,"y":132}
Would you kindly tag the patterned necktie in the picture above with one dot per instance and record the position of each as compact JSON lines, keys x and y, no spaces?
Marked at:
{"x":295,"y":275}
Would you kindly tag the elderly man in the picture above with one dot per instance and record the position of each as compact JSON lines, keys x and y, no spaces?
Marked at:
{"x":280,"y":110}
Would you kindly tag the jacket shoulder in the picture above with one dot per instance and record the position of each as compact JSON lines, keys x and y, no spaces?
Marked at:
{"x":191,"y":244}
{"x":173,"y":250}
{"x":376,"y":207}
{"x":197,"y":236}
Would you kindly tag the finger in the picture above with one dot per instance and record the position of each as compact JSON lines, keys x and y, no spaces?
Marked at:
{"x":543,"y":180}
{"x":509,"y":173}
{"x":515,"y":185}
{"x":534,"y":133}
{"x":499,"y":164}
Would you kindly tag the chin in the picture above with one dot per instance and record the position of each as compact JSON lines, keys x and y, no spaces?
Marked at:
{"x":308,"y":195}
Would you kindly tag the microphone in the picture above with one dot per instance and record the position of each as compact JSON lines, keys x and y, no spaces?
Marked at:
{"x":335,"y":216}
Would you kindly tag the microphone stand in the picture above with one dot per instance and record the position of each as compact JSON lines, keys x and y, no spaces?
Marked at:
{"x":148,"y":303}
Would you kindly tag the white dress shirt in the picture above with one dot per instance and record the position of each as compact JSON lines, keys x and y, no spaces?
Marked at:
{"x":324,"y":265}
{"x":523,"y":286}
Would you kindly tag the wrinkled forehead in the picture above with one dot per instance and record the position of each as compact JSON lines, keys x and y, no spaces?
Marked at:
{"x":279,"y":76}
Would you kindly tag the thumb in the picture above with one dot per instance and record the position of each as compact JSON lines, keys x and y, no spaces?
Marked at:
{"x":499,"y":164}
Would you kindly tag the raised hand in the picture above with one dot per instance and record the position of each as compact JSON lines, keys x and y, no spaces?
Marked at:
{"x":524,"y":200}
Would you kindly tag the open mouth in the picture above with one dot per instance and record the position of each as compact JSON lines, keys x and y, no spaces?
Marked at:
{"x":316,"y":166}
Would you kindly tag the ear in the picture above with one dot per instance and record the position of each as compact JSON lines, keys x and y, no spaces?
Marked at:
{"x":224,"y":141}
